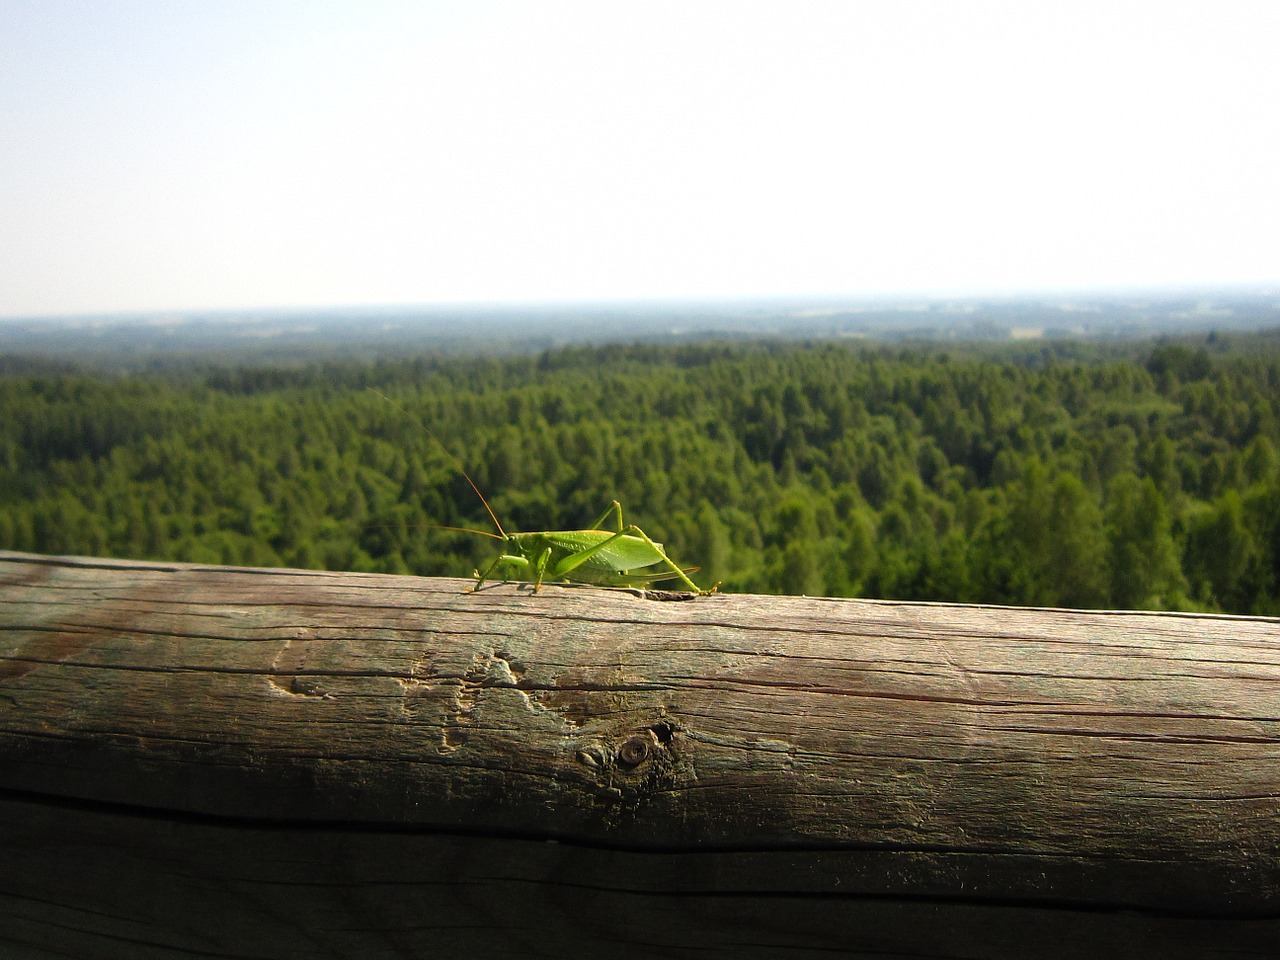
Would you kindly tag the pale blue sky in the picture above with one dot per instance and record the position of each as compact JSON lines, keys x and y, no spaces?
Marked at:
{"x":201,"y":154}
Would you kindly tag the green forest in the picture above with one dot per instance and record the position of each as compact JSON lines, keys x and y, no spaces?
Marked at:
{"x":1131,"y":476}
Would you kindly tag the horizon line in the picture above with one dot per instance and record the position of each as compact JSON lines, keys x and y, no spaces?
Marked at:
{"x":860,"y":299}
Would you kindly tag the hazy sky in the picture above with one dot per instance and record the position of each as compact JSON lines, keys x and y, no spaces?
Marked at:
{"x":163,"y":154}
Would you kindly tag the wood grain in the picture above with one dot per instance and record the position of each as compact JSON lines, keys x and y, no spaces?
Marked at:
{"x":214,"y":761}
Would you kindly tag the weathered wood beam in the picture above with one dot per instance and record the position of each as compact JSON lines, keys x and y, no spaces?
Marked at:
{"x":215,"y":761}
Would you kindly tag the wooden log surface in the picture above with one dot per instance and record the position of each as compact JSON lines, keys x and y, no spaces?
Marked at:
{"x":228,"y":762}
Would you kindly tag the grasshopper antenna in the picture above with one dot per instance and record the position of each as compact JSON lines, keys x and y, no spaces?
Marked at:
{"x":480,"y":533}
{"x":457,"y":464}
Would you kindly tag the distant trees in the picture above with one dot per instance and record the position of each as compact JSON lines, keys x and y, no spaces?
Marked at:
{"x":1098,"y":480}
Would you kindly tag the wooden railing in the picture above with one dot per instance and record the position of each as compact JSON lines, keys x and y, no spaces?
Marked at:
{"x":223,"y":762}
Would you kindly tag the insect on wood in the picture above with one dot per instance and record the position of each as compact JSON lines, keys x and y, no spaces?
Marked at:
{"x":616,"y":555}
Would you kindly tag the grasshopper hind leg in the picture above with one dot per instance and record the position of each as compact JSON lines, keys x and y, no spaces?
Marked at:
{"x":676,"y":572}
{"x":614,"y":508}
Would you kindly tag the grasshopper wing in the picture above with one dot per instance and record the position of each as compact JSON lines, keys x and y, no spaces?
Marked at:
{"x":623,"y":553}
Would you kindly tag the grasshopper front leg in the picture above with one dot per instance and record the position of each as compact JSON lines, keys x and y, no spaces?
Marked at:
{"x":538,"y":566}
{"x":485,"y":574}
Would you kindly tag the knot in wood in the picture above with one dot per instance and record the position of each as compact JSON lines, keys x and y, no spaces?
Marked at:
{"x":595,"y":755}
{"x":634,"y":751}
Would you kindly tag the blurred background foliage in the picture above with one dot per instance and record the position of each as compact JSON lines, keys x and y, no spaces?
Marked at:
{"x":1069,"y":474}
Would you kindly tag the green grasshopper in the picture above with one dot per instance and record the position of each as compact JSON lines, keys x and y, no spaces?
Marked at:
{"x":616,"y":557}
{"x":606,"y":557}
